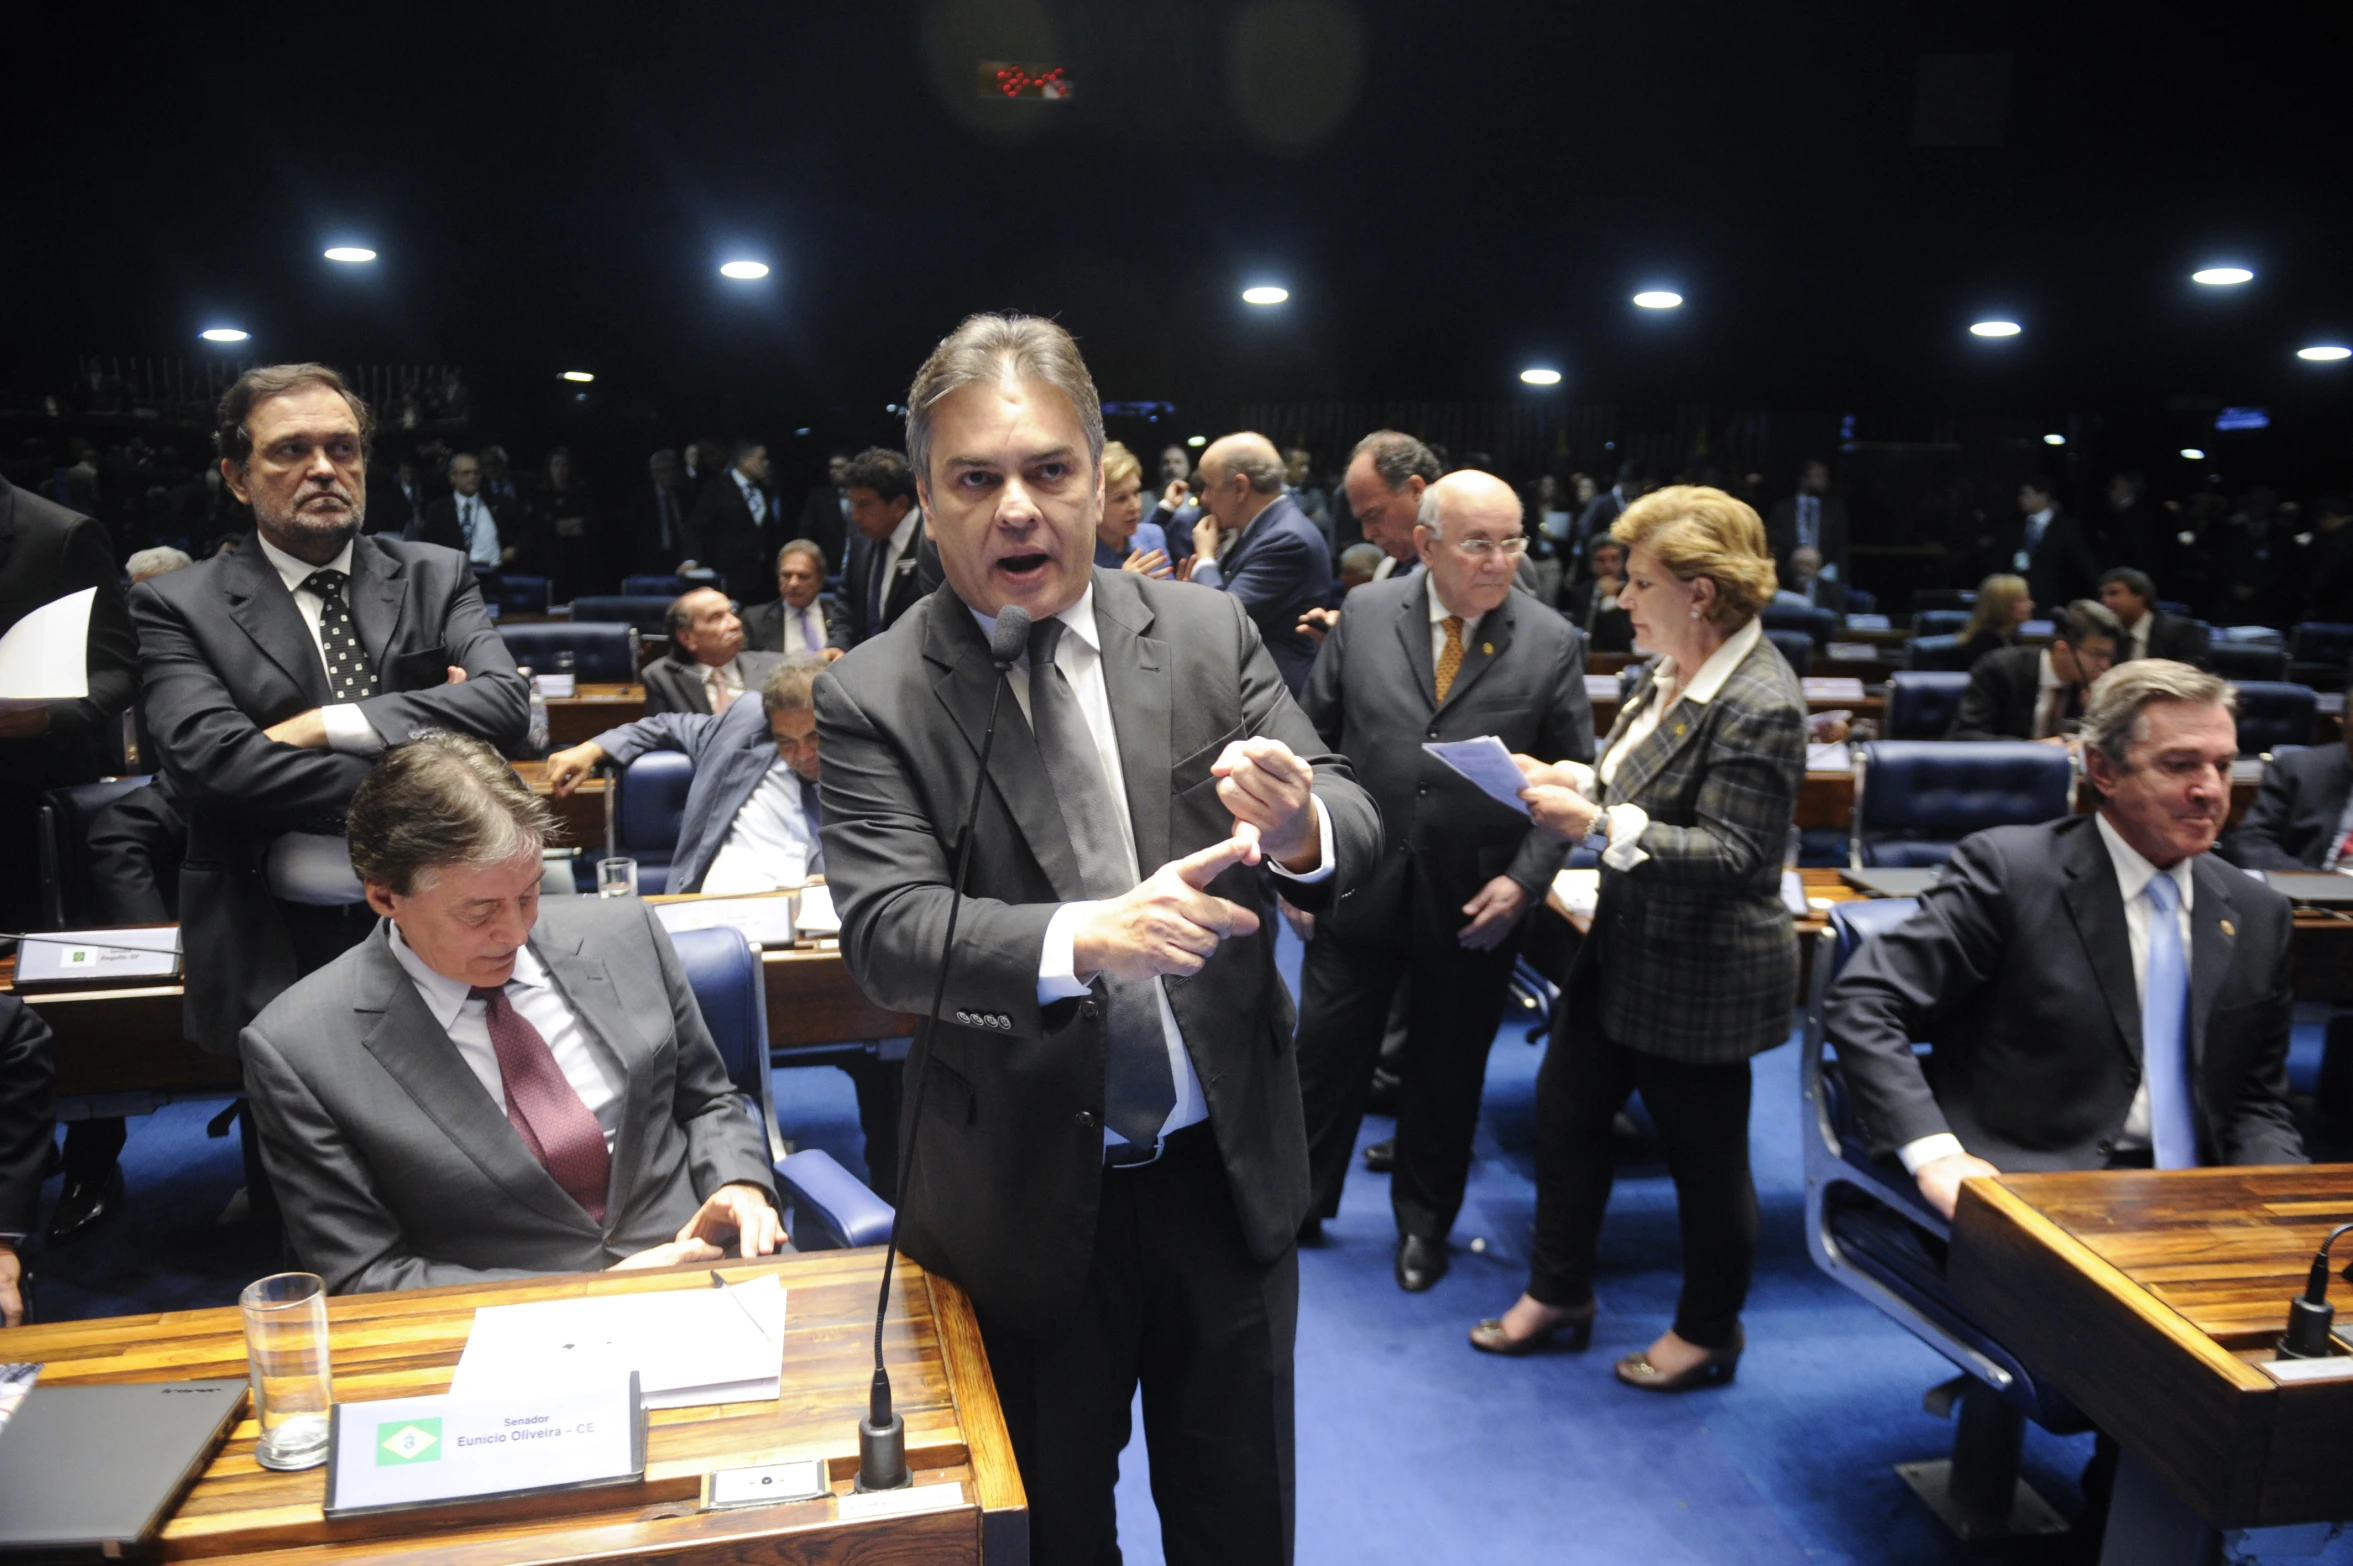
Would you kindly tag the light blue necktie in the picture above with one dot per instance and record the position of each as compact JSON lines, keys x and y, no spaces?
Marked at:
{"x":2165,"y":1008}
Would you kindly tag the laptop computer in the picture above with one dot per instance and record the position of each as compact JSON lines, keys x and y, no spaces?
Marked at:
{"x":93,"y":1473}
{"x":2319,"y":888}
{"x":1893,"y":881}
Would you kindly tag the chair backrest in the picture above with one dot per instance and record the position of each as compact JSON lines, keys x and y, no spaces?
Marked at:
{"x":1939,"y":622}
{"x":652,"y":586}
{"x":650,"y":804}
{"x":1921,"y":703}
{"x":731,"y":990}
{"x":1916,"y":799}
{"x":2272,"y":713}
{"x":1936,"y":653}
{"x":1859,"y":601}
{"x":603,"y":651}
{"x":1943,"y":598}
{"x":2266,"y":635}
{"x":650,"y":613}
{"x":518,"y":594}
{"x":1820,"y":624}
{"x":2320,"y":641}
{"x":2173,"y":607}
{"x":65,"y":846}
{"x":2248,"y":661}
{"x":1796,"y":649}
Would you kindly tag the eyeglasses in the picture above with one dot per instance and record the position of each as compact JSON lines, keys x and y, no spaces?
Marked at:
{"x":1481,"y":548}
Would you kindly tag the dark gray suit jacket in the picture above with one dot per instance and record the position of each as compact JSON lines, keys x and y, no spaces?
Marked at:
{"x":731,"y":753}
{"x":226,"y":656}
{"x":1373,"y":698}
{"x":2172,"y":636}
{"x":2293,"y":823}
{"x":47,"y":552}
{"x":676,"y":684}
{"x":2005,"y":687}
{"x":397,"y":1171}
{"x":1010,"y":1146}
{"x":763,"y":624}
{"x":2018,"y":969}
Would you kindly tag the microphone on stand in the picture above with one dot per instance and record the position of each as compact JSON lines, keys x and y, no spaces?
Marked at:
{"x":882,"y":1434}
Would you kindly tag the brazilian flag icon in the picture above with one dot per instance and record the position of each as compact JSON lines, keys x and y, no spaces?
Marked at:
{"x":408,"y":1441}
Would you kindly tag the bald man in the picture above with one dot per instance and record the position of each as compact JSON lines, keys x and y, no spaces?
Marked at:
{"x":1254,"y":542}
{"x":1452,"y":652}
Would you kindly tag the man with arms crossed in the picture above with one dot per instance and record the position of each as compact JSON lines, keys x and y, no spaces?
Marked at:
{"x":1109,"y":1156}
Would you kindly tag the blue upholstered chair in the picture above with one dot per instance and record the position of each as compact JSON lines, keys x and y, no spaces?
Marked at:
{"x":1796,"y":649}
{"x":2272,"y":713}
{"x":1941,"y":654}
{"x":1921,"y":703}
{"x":1943,"y":598}
{"x":2323,"y":653}
{"x":1860,"y":602}
{"x":515,"y":593}
{"x":649,"y":612}
{"x":1818,"y":624}
{"x":1939,"y":622}
{"x":652,"y":586}
{"x":65,"y":847}
{"x":649,"y":802}
{"x":1867,"y":1227}
{"x":1916,"y":799}
{"x":2259,"y":662}
{"x":603,"y":651}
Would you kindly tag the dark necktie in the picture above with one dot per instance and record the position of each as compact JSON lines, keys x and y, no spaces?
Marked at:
{"x":1138,"y":1089}
{"x":348,"y":676}
{"x":543,"y":1107}
{"x":875,"y":587}
{"x":669,"y":505}
{"x":809,"y":814}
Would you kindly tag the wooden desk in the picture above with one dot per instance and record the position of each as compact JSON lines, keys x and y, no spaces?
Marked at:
{"x":582,"y":811}
{"x":407,"y":1344}
{"x":2152,"y":1300}
{"x":596,"y":708}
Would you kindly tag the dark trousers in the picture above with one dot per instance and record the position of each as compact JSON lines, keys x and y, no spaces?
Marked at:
{"x":1454,"y":1004}
{"x":1701,"y":1112}
{"x":877,"y":1082}
{"x":1173,"y":1299}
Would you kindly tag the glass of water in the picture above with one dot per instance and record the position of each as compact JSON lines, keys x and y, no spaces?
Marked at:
{"x":616,"y":878}
{"x":286,"y":1353}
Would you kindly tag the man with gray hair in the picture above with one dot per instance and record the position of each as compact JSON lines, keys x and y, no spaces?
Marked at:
{"x":1255,"y":542}
{"x":2100,"y":991}
{"x":488,"y":1087}
{"x":155,"y":562}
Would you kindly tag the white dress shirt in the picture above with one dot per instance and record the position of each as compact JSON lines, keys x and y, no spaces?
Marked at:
{"x":1079,"y":655}
{"x":1439,"y":614}
{"x":804,"y":630}
{"x":315,"y":867}
{"x":2137,"y":636}
{"x":722,"y":677}
{"x":347,"y":729}
{"x":2133,"y":875}
{"x":2047,"y":686}
{"x":769,"y":846}
{"x":894,"y":550}
{"x":478,"y":529}
{"x":2033,"y":535}
{"x":1627,"y":822}
{"x":753,"y":498}
{"x":582,"y":1057}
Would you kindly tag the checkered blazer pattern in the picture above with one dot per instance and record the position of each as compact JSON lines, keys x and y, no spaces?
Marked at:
{"x":1693,"y":957}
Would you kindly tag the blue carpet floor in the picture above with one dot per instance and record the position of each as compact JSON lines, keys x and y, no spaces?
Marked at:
{"x":1411,"y":1446}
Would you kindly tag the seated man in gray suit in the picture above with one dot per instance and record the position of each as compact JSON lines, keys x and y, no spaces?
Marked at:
{"x":803,"y":617}
{"x":708,"y":667}
{"x":486,"y":1087}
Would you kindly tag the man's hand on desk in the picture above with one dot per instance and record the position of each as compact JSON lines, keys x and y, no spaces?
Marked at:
{"x":1940,"y":1179}
{"x":1167,"y":925}
{"x":1271,"y":791}
{"x":741,"y":1211}
{"x":12,"y":1302}
{"x":566,"y":768}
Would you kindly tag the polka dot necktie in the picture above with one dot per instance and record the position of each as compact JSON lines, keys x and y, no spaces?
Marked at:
{"x":544,"y":1108}
{"x":1449,"y":656}
{"x":348,"y":674}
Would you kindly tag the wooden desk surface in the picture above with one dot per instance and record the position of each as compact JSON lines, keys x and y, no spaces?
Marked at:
{"x":2151,"y":1300}
{"x":588,"y":713}
{"x":582,"y":811}
{"x":407,"y":1344}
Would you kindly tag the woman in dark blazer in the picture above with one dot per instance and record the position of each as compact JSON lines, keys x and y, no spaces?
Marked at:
{"x":1691,"y":965}
{"x":2002,"y":607}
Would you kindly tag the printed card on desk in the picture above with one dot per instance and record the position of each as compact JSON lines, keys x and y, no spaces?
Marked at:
{"x":688,"y":1346}
{"x":817,"y":918}
{"x":99,"y":956}
{"x":45,"y":656}
{"x":405,"y":1452}
{"x":1833,"y":687}
{"x":766,"y":920}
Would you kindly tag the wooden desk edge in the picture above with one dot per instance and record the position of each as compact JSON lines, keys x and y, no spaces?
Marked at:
{"x":996,"y":1477}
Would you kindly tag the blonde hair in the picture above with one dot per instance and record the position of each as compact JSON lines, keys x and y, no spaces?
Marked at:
{"x":1995,"y":596}
{"x":1698,"y":531}
{"x":1119,"y":465}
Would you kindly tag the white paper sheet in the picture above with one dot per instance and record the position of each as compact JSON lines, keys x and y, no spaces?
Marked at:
{"x":1833,"y":687}
{"x":688,"y":1346}
{"x":45,"y":656}
{"x":766,"y":921}
{"x":1486,"y":762}
{"x":817,"y":917}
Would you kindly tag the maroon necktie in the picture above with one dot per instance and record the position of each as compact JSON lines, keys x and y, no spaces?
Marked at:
{"x":544,"y":1109}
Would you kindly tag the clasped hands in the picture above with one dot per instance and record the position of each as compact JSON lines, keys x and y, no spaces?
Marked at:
{"x":1170,"y":925}
{"x":740,"y":1210}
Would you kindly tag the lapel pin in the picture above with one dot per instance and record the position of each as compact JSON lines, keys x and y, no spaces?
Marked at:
{"x":1488,"y":648}
{"x":2229,"y":928}
{"x":1679,"y":730}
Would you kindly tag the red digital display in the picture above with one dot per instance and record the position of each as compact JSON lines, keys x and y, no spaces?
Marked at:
{"x":1007,"y":79}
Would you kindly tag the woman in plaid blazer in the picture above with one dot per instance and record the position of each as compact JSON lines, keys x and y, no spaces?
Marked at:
{"x":1691,"y":966}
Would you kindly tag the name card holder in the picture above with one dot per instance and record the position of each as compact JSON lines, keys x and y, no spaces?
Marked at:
{"x":413,"y":1453}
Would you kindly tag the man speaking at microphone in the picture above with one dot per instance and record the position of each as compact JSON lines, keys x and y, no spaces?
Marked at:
{"x":1110,"y":1156}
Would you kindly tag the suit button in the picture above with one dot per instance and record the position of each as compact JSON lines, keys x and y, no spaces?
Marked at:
{"x":1423,"y":790}
{"x":1433,"y":734}
{"x":1086,"y":1120}
{"x":1090,"y":1010}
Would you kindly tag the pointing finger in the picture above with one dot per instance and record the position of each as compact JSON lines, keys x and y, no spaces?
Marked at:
{"x":1199,"y":868}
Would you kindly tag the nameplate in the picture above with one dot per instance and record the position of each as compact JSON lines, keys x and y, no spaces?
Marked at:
{"x":99,"y":956}
{"x":2332,"y":1367}
{"x":874,"y":1505}
{"x":556,"y":687}
{"x":409,"y":1452}
{"x":1832,"y":687}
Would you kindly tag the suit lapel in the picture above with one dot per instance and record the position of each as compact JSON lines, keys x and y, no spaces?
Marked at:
{"x":584,"y":984}
{"x":2214,"y":927}
{"x":952,"y":642}
{"x":375,"y":602}
{"x":1494,"y":640}
{"x":1135,"y":677}
{"x":260,"y":603}
{"x":1413,"y":630}
{"x":2096,"y":905}
{"x":417,"y":1053}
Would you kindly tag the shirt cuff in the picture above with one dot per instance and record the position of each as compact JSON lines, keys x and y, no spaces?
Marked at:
{"x":1625,"y":825}
{"x":1323,"y":863}
{"x":1581,"y":776}
{"x":1057,"y":979}
{"x":349,"y":731}
{"x":1206,"y":573}
{"x":1923,"y":1151}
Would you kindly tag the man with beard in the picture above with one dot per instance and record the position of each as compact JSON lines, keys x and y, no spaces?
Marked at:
{"x":276,"y":673}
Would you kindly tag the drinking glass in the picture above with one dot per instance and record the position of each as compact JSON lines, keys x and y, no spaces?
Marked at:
{"x":286,"y":1352}
{"x":616,"y":878}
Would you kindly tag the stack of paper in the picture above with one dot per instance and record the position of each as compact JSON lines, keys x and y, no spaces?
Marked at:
{"x":688,"y":1346}
{"x":45,"y":656}
{"x":765,"y":920}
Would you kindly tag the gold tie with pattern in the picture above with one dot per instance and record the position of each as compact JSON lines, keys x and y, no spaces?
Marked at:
{"x":1450,"y":656}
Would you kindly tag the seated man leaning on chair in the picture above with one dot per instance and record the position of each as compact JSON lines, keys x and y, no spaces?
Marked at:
{"x":2100,"y":991}
{"x":488,"y":1086}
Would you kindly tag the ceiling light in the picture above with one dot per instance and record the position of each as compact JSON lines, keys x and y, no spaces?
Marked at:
{"x":2193,"y":454}
{"x":224,"y":334}
{"x":2054,"y":440}
{"x":1658,"y":299}
{"x":2325,"y":353}
{"x":1265,"y":294}
{"x":744,"y":271}
{"x":1540,"y":377}
{"x":350,"y":255}
{"x":1196,"y":440}
{"x":1994,"y":328}
{"x":2222,"y":276}
{"x":582,"y":376}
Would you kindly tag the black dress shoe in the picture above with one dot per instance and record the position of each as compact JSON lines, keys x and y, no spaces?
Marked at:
{"x":85,"y":1204}
{"x":1381,"y":1157}
{"x":1421,"y":1261}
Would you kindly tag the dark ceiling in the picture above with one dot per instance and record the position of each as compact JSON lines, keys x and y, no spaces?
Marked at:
{"x":1450,"y":192}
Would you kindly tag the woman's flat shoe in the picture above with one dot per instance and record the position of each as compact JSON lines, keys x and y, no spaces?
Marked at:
{"x":1716,"y":1370}
{"x":1575,"y":1331}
